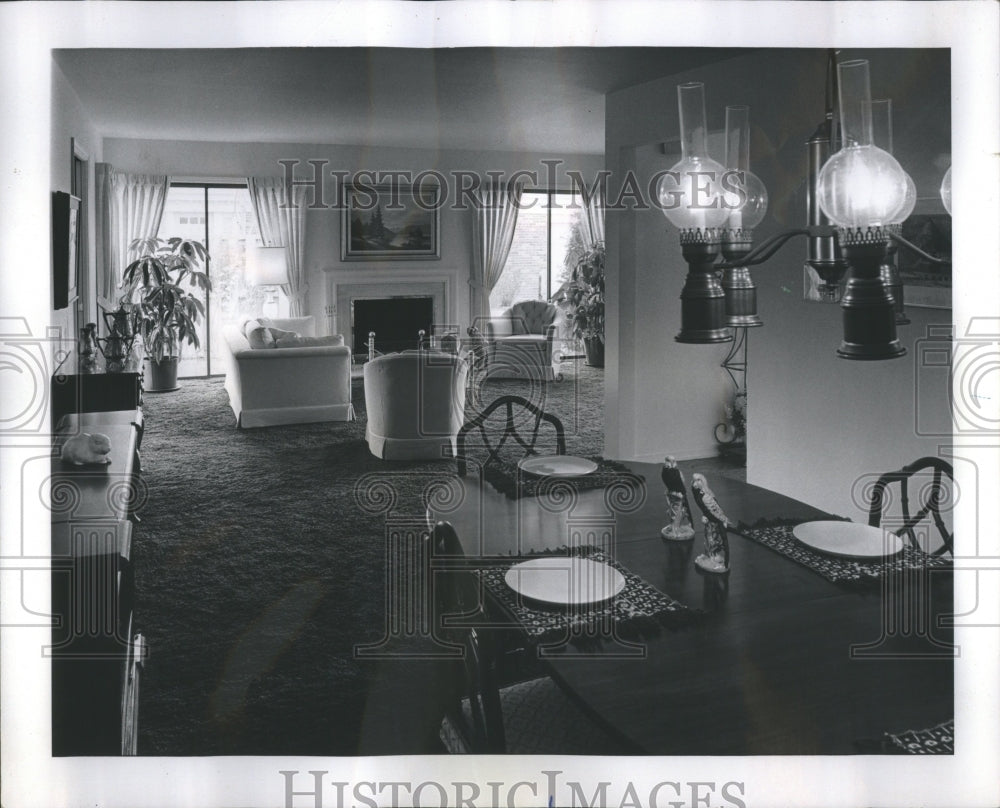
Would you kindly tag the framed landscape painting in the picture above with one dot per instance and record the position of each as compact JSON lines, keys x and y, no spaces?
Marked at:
{"x":390,"y":222}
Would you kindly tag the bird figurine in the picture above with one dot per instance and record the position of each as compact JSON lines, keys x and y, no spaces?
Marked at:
{"x":678,"y":508}
{"x":715,"y":524}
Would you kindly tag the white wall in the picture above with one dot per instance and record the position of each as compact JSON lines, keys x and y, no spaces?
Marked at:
{"x":817,"y":423}
{"x":322,"y":253}
{"x":70,"y":121}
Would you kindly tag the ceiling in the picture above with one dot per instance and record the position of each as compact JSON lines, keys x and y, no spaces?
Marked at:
{"x":509,"y":99}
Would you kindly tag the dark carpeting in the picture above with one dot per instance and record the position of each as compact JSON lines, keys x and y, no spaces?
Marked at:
{"x":257,"y":573}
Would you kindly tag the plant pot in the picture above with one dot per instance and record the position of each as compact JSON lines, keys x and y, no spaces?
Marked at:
{"x":162,"y":375}
{"x":594,"y":347}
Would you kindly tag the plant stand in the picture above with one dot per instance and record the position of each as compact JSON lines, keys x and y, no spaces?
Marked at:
{"x":731,"y":434}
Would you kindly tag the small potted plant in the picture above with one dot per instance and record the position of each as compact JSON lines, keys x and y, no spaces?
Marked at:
{"x":165,"y":314}
{"x":583,"y":299}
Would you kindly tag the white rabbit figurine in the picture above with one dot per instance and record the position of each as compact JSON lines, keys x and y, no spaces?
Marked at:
{"x":85,"y":449}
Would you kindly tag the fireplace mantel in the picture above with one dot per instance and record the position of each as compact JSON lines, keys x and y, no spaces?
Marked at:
{"x":346,"y":285}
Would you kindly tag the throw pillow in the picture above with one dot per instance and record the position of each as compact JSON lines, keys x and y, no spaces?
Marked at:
{"x":280,"y":333}
{"x":257,"y":335}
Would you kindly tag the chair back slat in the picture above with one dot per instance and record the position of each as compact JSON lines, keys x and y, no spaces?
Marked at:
{"x":931,"y":507}
{"x":510,"y":430}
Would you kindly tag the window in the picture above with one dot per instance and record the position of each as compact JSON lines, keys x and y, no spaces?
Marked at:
{"x":222,"y":218}
{"x":547,"y":242}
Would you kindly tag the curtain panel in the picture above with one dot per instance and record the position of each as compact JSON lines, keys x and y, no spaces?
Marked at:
{"x":493,"y":232}
{"x":593,"y":218}
{"x":129,"y":206}
{"x":283,"y":224}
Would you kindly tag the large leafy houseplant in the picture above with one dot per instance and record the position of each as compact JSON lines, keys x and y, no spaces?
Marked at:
{"x":582,"y":297}
{"x":165,"y":313}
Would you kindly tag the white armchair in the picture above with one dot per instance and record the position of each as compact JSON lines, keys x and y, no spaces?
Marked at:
{"x":416,"y":404}
{"x":307,"y":381}
{"x":519,"y":342}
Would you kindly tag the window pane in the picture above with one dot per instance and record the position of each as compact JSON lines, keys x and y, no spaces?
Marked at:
{"x":566,"y":237}
{"x":232,"y":229}
{"x":180,"y":219}
{"x":226,"y":229}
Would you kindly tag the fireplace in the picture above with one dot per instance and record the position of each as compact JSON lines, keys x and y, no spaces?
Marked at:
{"x":396,"y":321}
{"x":344,"y":286}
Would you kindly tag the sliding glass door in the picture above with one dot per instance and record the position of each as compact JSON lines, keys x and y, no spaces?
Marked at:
{"x":547,"y":242}
{"x":221,"y":217}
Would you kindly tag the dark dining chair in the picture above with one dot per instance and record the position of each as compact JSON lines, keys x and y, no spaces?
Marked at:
{"x":531,"y":717}
{"x":929,"y":499}
{"x":529,"y":418}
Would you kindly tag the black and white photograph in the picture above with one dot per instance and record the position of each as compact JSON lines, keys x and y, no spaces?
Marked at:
{"x":482,"y":404}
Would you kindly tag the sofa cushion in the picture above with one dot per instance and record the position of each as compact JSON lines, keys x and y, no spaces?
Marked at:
{"x":308,"y":342}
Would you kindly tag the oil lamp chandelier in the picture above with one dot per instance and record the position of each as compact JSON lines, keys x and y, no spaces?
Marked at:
{"x":858,"y":196}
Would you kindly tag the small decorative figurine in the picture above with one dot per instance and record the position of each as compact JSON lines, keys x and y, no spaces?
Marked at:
{"x":715,"y":524}
{"x":85,"y":449}
{"x":678,"y":509}
{"x":87,"y":348}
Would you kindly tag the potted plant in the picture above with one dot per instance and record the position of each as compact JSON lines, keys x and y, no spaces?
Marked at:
{"x":164,"y":313}
{"x":583,"y":299}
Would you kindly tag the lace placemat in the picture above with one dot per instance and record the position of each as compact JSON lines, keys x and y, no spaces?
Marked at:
{"x":510,"y":480}
{"x":939,"y":740}
{"x":777,"y":535}
{"x":639,"y":610}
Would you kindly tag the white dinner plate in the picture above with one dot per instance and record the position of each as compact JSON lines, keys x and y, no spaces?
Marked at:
{"x":565,"y":581}
{"x":557,"y":465}
{"x":848,"y":539}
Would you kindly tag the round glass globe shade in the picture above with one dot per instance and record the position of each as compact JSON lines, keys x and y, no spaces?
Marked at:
{"x":861,"y":186}
{"x":690,"y":195}
{"x":946,"y":190}
{"x":745,"y":197}
{"x":909,"y":202}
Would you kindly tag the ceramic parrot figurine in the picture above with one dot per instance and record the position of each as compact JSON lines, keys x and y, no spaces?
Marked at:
{"x":715,"y":524}
{"x":678,"y":508}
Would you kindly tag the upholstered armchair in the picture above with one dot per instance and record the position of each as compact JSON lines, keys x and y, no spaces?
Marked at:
{"x":416,"y":404}
{"x":519,"y":342}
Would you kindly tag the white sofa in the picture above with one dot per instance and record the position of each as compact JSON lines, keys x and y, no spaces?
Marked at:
{"x":268,"y":386}
{"x":416,"y":404}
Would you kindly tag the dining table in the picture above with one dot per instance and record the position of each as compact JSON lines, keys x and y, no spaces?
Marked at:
{"x":770,"y":658}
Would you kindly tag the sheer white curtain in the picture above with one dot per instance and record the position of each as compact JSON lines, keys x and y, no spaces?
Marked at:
{"x":129,"y":206}
{"x":283,"y":224}
{"x":493,"y":232}
{"x":593,"y":218}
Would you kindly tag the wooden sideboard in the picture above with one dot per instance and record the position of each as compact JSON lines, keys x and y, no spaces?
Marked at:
{"x":97,"y":653}
{"x":79,"y":389}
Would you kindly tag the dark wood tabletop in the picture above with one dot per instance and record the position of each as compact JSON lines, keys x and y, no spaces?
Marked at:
{"x":782,"y":661}
{"x":88,"y":493}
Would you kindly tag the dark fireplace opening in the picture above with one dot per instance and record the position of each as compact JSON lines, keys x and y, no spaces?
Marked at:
{"x":396,"y":322}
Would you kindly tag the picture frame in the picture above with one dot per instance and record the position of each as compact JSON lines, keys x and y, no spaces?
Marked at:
{"x":390,"y":222}
{"x":926,"y":283}
{"x":65,"y":248}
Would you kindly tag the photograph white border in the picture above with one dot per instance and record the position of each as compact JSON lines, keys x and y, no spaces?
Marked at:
{"x":28,"y":32}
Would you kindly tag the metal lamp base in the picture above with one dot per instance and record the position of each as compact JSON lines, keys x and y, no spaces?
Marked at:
{"x":868,"y":307}
{"x":737,"y":282}
{"x":703,"y":301}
